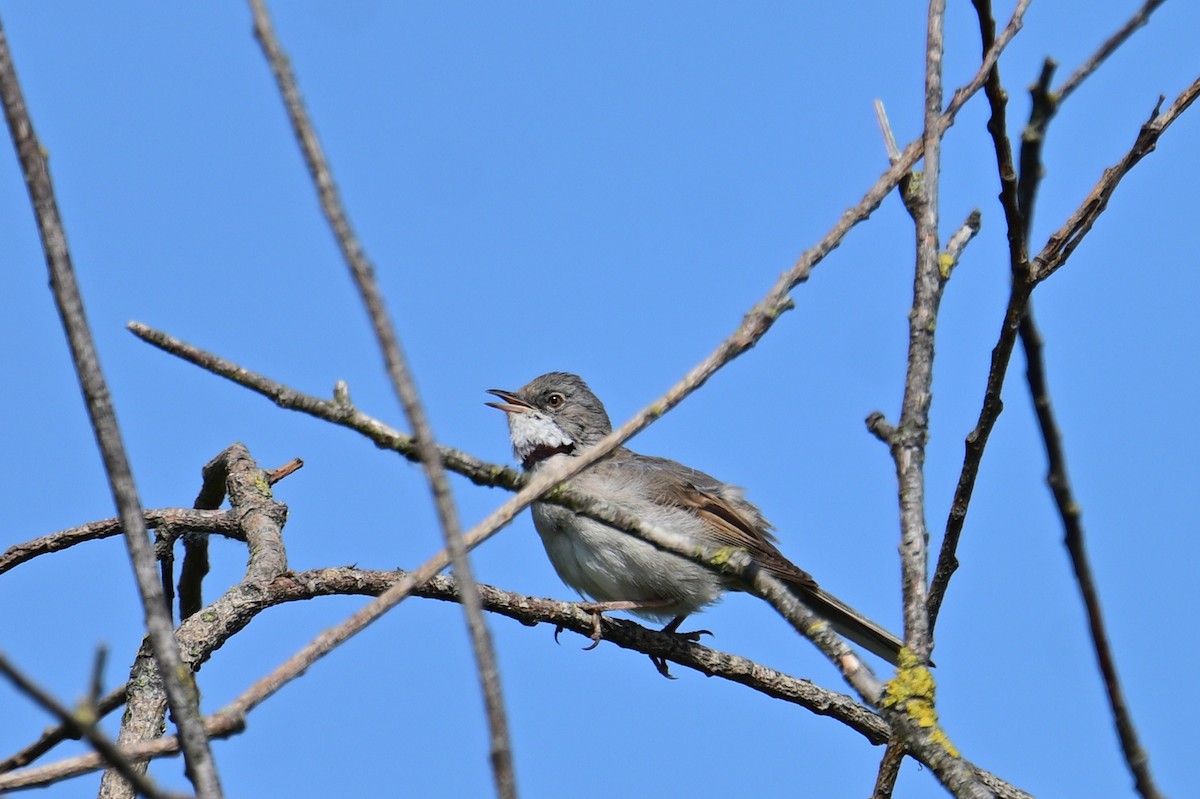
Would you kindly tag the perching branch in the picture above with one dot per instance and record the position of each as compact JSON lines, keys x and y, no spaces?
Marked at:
{"x":234,"y":610}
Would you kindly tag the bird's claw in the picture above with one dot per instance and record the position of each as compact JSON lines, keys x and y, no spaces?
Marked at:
{"x":691,"y":637}
{"x":595,"y":636}
{"x":660,"y":663}
{"x":596,"y":609}
{"x":694,"y":635}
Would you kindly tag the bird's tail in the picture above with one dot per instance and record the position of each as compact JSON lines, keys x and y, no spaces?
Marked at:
{"x":850,"y":623}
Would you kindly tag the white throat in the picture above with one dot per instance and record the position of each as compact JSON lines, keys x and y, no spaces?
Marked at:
{"x":533,"y":431}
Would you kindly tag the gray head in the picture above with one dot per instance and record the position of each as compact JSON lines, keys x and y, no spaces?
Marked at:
{"x":554,"y":414}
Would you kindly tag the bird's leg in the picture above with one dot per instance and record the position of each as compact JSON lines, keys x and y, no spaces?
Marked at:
{"x":672,"y":628}
{"x":597,"y":609}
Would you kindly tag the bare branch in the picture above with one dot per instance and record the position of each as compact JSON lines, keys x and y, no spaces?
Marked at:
{"x":406,"y":389}
{"x":1052,"y":256}
{"x":180,"y":520}
{"x":218,"y":726}
{"x":889,"y":766}
{"x":1064,"y":241}
{"x":53,"y":736}
{"x":911,"y":692}
{"x":1017,"y":198}
{"x":1018,"y":262}
{"x":233,"y":471}
{"x":1116,"y":40}
{"x":197,"y":753}
{"x":1045,"y":105}
{"x":234,"y":610}
{"x":908,"y":443}
{"x":340,"y":410}
{"x":82,"y":725}
{"x":1071,"y":514}
{"x":889,"y":770}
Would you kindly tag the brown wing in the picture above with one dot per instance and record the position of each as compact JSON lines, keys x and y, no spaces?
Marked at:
{"x":731,"y":520}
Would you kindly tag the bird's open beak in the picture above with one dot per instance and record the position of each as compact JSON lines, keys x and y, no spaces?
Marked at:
{"x":512,"y":403}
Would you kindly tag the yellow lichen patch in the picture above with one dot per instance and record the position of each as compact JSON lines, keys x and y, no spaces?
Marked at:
{"x":721,"y":556}
{"x":912,"y":690}
{"x":945,"y":264}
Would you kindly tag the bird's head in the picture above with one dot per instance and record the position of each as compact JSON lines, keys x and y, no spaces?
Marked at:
{"x":554,"y":414}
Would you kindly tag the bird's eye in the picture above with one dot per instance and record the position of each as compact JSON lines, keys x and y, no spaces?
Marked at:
{"x":555,"y":400}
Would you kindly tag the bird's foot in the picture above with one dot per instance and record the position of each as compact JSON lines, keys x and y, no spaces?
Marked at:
{"x":672,"y":628}
{"x":692,"y":636}
{"x":598,"y":609}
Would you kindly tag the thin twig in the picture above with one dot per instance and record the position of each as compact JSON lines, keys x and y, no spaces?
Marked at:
{"x":216,"y":726}
{"x":885,"y":127}
{"x":96,"y":684}
{"x":406,"y":390}
{"x":910,"y":184}
{"x":82,"y":725}
{"x":201,"y":767}
{"x":180,"y":520}
{"x":1017,"y":198}
{"x":908,"y":445}
{"x":1052,"y":256}
{"x":53,"y":736}
{"x":997,"y":98}
{"x":1116,"y":40}
{"x":1043,"y":109}
{"x":1063,"y":242}
{"x":959,"y":240}
{"x":1136,"y":757}
{"x":275,"y":475}
{"x":340,"y":410}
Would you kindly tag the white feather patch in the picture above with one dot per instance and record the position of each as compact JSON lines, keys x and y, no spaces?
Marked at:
{"x":529,"y":431}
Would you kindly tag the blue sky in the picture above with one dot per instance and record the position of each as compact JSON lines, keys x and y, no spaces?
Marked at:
{"x":604,"y":190}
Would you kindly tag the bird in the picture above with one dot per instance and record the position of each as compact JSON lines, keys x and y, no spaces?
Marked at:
{"x":557,"y":416}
